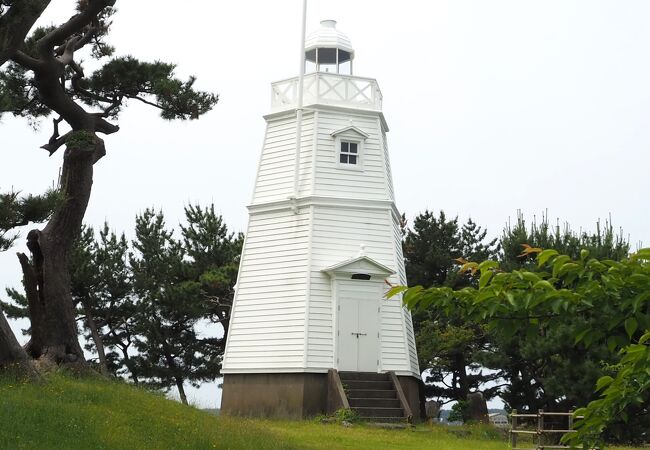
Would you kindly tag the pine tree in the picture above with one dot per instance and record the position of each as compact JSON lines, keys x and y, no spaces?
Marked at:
{"x":448,"y":347}
{"x":214,"y":255}
{"x":17,"y":211}
{"x":41,"y":76}
{"x":549,"y":372}
{"x":101,"y":289}
{"x":172,"y":302}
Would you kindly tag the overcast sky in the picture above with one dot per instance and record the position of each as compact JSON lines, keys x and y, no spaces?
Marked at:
{"x":493,"y":106}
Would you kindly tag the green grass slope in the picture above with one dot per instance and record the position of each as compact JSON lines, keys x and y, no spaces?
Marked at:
{"x":67,"y":413}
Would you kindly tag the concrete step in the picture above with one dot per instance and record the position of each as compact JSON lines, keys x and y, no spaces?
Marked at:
{"x":362,"y":384}
{"x":384,"y":419}
{"x":374,"y":402}
{"x":365,"y":376}
{"x":371,"y":393}
{"x":378,"y":412}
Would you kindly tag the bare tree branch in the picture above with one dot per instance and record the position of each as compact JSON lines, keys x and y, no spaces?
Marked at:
{"x":56,"y":141}
{"x":68,"y":52}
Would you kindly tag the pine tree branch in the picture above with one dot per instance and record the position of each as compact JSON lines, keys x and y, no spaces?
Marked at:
{"x":56,"y":141}
{"x":75,"y":25}
{"x":68,"y":52}
{"x":146,"y":102}
{"x":16,"y":23}
{"x":27,"y":61}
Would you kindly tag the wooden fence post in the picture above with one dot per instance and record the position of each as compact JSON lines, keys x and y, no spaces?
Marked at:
{"x":540,"y":428}
{"x":513,"y":426}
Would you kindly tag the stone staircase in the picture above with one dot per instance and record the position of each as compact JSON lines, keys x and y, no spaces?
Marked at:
{"x":372,"y":396}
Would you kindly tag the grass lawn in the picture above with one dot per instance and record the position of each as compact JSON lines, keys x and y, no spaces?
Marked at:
{"x":67,"y":413}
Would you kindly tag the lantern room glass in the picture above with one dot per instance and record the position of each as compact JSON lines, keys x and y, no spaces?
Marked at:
{"x":331,"y":60}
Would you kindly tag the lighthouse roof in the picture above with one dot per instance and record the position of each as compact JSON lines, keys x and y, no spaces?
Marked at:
{"x":328,"y":36}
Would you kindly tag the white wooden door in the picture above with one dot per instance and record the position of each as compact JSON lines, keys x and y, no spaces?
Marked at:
{"x":358,"y":325}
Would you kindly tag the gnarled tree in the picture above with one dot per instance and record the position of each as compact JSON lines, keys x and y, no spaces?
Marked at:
{"x":15,"y":211}
{"x":43,"y":77}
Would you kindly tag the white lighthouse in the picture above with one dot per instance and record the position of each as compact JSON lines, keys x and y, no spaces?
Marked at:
{"x":323,"y":244}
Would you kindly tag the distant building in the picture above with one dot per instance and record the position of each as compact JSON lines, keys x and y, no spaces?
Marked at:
{"x":499,"y":420}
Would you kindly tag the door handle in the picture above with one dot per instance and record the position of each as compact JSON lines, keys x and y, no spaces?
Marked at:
{"x":359,"y":334}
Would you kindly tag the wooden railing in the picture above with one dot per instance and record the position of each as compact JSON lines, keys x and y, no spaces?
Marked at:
{"x":406,"y":408}
{"x":336,"y":398}
{"x":327,"y":89}
{"x":541,"y":431}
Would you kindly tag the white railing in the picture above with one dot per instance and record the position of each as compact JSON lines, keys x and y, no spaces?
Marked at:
{"x":327,"y":89}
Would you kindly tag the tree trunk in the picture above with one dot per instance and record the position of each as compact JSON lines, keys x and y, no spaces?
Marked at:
{"x":460,"y":366}
{"x":46,"y":276}
{"x":181,"y":390}
{"x":124,"y":348}
{"x":16,"y":23}
{"x":172,"y":365}
{"x":477,"y":408}
{"x":13,"y":358}
{"x":97,"y":339}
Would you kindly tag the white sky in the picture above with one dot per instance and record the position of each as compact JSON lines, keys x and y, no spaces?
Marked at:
{"x":493,"y":107}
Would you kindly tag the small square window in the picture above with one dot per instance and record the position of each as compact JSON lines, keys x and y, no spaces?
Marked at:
{"x":349,"y":153}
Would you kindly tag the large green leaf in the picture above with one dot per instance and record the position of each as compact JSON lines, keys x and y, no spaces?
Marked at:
{"x":603,"y":382}
{"x":631,"y":326}
{"x":395,"y":290}
{"x":485,"y":278}
{"x":545,"y":256}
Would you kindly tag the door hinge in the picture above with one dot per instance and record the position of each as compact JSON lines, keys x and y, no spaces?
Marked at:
{"x":339,"y":307}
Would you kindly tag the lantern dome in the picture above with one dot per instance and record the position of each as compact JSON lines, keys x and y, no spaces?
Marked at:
{"x":328,"y":47}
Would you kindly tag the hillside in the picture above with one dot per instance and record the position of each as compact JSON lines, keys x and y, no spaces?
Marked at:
{"x":68,"y":413}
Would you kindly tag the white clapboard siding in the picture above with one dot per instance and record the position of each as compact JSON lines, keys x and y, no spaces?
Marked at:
{"x":401,"y":279}
{"x":275,"y":176}
{"x":267,"y":324}
{"x":331,"y":180}
{"x":389,"y":175}
{"x":336,"y":235}
{"x":284,"y":313}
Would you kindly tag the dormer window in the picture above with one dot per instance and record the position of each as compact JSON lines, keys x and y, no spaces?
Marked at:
{"x":348,"y":145}
{"x":349,"y":153}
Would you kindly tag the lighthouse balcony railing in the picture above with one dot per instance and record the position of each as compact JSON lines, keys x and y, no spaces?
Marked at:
{"x":327,"y":89}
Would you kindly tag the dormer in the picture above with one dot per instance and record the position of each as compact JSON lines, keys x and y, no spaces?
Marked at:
{"x":348,"y":145}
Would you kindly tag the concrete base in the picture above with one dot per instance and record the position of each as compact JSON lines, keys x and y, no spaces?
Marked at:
{"x":295,"y":395}
{"x":414,"y":392}
{"x":287,"y":395}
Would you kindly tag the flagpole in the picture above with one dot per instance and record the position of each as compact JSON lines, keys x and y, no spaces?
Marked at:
{"x":301,"y":82}
{"x":301,"y":77}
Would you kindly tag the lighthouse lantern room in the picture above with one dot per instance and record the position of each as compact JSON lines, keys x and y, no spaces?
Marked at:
{"x":322,"y":247}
